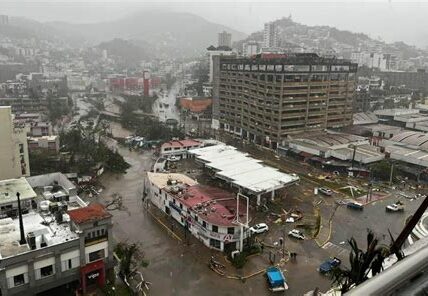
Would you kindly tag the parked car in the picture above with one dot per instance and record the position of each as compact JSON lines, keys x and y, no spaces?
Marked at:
{"x":296,"y":234}
{"x":355,"y":205}
{"x":395,"y":207}
{"x":173,"y":158}
{"x":276,"y":279}
{"x":325,"y":191}
{"x":259,"y":228}
{"x":328,"y":265}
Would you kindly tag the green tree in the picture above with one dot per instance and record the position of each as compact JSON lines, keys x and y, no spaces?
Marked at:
{"x":382,"y":170}
{"x":361,"y":262}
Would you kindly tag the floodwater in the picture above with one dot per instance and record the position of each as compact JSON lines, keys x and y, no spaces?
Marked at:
{"x":175,"y":268}
{"x":164,"y":107}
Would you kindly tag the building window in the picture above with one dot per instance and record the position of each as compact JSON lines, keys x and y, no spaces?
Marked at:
{"x":97,"y":255}
{"x":204,"y":224}
{"x":215,"y":243}
{"x":215,"y":228}
{"x":46,"y":271}
{"x":231,"y":230}
{"x":18,"y":280}
{"x":70,"y":264}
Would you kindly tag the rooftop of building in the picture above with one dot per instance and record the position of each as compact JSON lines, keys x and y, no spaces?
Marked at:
{"x":91,"y":213}
{"x":46,"y":219}
{"x":364,"y":118}
{"x":241,"y":170}
{"x":181,"y":143}
{"x":44,"y":138}
{"x":212,"y":204}
{"x":411,"y":138}
{"x":199,"y":104}
{"x":369,"y":129}
{"x":9,"y":188}
{"x":219,"y":48}
{"x":58,"y":180}
{"x":161,"y":180}
{"x":42,"y":225}
{"x":327,"y":139}
{"x":295,"y":58}
{"x":40,"y":124}
{"x":411,"y":117}
{"x":395,"y":112}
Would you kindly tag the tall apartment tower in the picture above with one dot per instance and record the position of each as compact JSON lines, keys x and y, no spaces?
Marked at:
{"x":4,"y":19}
{"x":270,"y":35}
{"x":267,"y":97}
{"x":14,"y":161}
{"x":225,"y":39}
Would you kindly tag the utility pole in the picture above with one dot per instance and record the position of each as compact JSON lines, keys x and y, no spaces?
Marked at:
{"x":392,"y":172}
{"x":353,"y":155}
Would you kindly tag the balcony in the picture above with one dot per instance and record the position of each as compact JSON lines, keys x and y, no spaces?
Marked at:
{"x":96,"y":240}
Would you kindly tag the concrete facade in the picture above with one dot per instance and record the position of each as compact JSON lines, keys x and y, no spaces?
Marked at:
{"x":264,"y":99}
{"x":14,"y":161}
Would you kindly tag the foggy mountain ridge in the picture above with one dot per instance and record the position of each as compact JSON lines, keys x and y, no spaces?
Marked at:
{"x":168,"y":33}
{"x":180,"y":34}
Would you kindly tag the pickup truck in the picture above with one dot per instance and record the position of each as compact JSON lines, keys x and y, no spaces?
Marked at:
{"x":395,"y":207}
{"x":276,"y":279}
{"x":355,"y":205}
{"x":328,"y":265}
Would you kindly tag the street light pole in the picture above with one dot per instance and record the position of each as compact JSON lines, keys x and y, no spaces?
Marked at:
{"x":392,"y":171}
{"x":241,"y":236}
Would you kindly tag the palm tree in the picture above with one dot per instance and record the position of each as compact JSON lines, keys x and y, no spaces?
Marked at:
{"x":361,"y":263}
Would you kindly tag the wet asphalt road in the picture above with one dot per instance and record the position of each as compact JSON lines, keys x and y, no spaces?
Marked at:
{"x":176,"y":269}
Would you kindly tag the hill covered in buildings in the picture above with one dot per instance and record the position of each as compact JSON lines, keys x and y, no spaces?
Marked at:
{"x":329,"y":40}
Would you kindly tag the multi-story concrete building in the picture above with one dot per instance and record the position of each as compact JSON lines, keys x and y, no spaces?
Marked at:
{"x":14,"y":162}
{"x":209,"y":213}
{"x":265,"y":98}
{"x":62,"y":241}
{"x":46,"y":143}
{"x":250,"y":48}
{"x":381,"y":61}
{"x":214,"y":52}
{"x":225,"y":39}
{"x":270,"y":35}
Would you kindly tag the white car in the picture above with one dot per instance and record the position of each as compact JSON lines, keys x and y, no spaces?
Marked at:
{"x":173,"y":158}
{"x":259,"y":228}
{"x":395,"y":207}
{"x":296,"y":234}
{"x":325,"y":191}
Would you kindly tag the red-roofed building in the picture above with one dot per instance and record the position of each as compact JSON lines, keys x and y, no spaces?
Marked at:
{"x":91,"y":213}
{"x":196,"y":105}
{"x":209,"y":213}
{"x":94,"y":225}
{"x":179,"y":148}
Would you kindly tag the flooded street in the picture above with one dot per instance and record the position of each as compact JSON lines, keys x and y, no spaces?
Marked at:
{"x":175,"y":268}
{"x":164,"y":107}
{"x":178,"y":269}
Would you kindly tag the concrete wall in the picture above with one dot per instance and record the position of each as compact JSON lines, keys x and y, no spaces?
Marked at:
{"x":10,"y":155}
{"x":28,"y":259}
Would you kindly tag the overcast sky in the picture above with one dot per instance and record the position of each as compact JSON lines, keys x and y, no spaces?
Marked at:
{"x":389,"y":20}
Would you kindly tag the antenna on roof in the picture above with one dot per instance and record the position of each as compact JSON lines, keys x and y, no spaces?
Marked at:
{"x":22,"y":241}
